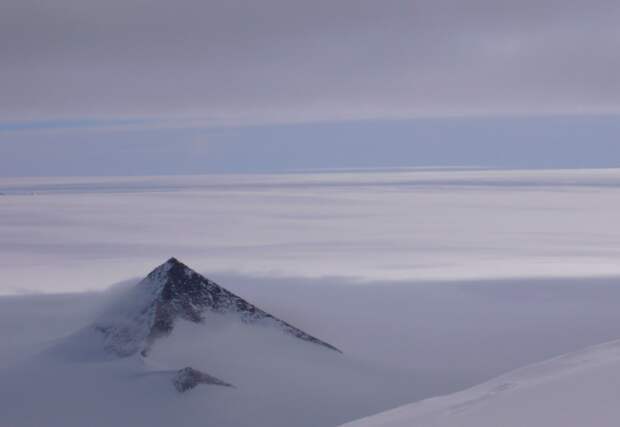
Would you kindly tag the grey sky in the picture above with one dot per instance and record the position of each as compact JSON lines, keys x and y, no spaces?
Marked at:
{"x":281,"y":61}
{"x":146,"y":87}
{"x":84,"y":149}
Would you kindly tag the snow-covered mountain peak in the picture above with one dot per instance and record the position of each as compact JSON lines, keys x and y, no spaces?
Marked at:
{"x":172,"y":292}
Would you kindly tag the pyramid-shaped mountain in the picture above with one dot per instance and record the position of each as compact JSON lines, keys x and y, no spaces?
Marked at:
{"x":174,"y":291}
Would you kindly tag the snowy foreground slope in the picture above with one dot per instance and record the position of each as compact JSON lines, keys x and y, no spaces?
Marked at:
{"x":574,"y":390}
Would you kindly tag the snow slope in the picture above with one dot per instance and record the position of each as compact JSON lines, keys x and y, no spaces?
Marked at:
{"x":574,"y":390}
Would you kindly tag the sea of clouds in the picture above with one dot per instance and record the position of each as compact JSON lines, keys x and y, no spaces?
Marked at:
{"x":75,"y":234}
{"x":429,"y":281}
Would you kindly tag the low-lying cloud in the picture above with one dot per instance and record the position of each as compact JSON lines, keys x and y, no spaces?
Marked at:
{"x":401,"y":343}
{"x":84,"y":233}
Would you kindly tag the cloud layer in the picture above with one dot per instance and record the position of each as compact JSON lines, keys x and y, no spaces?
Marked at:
{"x":275,"y":60}
{"x":84,"y":233}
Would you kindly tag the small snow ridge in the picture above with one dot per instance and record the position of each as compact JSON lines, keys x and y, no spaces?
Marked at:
{"x":188,"y":378}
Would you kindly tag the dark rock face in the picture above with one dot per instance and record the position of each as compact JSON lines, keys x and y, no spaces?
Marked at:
{"x":186,"y":294}
{"x":174,"y":291}
{"x":188,"y":378}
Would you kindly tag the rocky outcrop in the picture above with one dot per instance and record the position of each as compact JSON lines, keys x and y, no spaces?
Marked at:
{"x":188,"y":378}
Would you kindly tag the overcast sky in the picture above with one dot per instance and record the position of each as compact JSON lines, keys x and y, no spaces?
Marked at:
{"x":84,"y":65}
